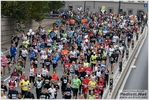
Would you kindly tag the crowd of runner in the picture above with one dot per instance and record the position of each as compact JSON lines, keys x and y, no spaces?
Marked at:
{"x":86,"y":45}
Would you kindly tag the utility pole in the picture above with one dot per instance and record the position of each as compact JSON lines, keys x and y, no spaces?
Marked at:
{"x":84,"y":5}
{"x":94,"y":4}
{"x":119,"y":7}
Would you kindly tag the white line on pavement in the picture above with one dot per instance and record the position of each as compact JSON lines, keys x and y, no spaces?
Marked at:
{"x":6,"y":79}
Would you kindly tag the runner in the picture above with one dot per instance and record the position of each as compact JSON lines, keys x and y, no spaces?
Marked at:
{"x":29,"y":94}
{"x":38,"y":84}
{"x":76,"y":82}
{"x":68,"y":91}
{"x":52,"y":92}
{"x":64,"y":81}
{"x":47,"y":80}
{"x":25,"y":85}
{"x":3,"y":87}
{"x":13,"y":52}
{"x":13,"y":94}
{"x":4,"y":61}
{"x":85,"y":83}
{"x":32,"y":73}
{"x":24,"y":54}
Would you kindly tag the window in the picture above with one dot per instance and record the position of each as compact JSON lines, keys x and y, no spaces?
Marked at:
{"x":99,"y":9}
{"x":121,"y":10}
{"x":130,"y":12}
{"x":70,"y":7}
{"x":130,"y":0}
{"x":140,"y":1}
{"x":110,"y":10}
{"x":87,"y":9}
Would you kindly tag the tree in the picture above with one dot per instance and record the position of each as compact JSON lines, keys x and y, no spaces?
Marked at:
{"x":23,"y":11}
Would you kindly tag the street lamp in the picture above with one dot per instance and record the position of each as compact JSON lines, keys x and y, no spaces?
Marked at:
{"x":84,"y":5}
{"x":32,"y":33}
{"x":119,"y":7}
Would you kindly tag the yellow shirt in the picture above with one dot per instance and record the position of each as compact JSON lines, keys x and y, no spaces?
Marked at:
{"x":24,"y":85}
{"x":92,"y":85}
{"x":93,"y":58}
{"x":86,"y":64}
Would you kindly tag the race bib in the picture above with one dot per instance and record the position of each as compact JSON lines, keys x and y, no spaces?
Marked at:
{"x":68,"y":93}
{"x":87,"y":72}
{"x":38,"y":86}
{"x":75,"y":84}
{"x":36,"y":62}
{"x":96,"y":95}
{"x":65,"y":81}
{"x":47,"y":63}
{"x":85,"y":86}
{"x":46,"y":81}
{"x":31,"y":73}
{"x":65,"y":67}
{"x":54,"y":62}
{"x":25,"y":85}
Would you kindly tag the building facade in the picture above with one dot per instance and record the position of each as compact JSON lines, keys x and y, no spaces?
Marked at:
{"x":130,"y":6}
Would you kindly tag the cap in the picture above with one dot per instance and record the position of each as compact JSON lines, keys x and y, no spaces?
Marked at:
{"x":38,"y":75}
{"x":86,"y":75}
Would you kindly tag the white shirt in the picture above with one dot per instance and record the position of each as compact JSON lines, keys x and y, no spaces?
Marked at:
{"x":93,"y":77}
{"x":72,"y":54}
{"x":44,"y":71}
{"x":121,"y":49}
{"x":43,"y":57}
{"x":98,"y":73}
{"x":111,"y":51}
{"x":60,"y":47}
{"x":49,"y":52}
{"x":63,"y":40}
{"x":42,"y":52}
{"x":52,"y":91}
{"x":49,"y":42}
{"x":24,"y":53}
{"x":115,"y":38}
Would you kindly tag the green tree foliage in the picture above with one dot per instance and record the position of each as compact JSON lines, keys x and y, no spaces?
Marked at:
{"x":24,"y":11}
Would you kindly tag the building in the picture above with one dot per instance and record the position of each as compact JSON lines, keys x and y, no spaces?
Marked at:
{"x":130,"y":6}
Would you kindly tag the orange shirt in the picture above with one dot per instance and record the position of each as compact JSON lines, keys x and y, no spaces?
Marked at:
{"x":55,"y":77}
{"x":72,"y":21}
{"x":64,"y":52}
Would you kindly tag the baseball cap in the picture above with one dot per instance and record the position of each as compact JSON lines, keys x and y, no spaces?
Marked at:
{"x":38,"y":75}
{"x":86,"y":75}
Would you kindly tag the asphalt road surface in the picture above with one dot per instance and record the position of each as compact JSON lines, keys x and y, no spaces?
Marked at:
{"x":59,"y":73}
{"x":138,"y":78}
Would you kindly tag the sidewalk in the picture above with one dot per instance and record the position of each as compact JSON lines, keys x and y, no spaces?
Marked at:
{"x":5,"y":47}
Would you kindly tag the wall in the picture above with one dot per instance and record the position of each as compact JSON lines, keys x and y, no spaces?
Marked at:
{"x":8,"y":27}
{"x":96,"y":6}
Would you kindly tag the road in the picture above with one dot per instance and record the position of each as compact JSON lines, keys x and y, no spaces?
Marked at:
{"x":139,"y":76}
{"x":59,"y":73}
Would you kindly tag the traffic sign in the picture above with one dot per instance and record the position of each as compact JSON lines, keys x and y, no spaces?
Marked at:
{"x":103,"y":7}
{"x":145,"y":5}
